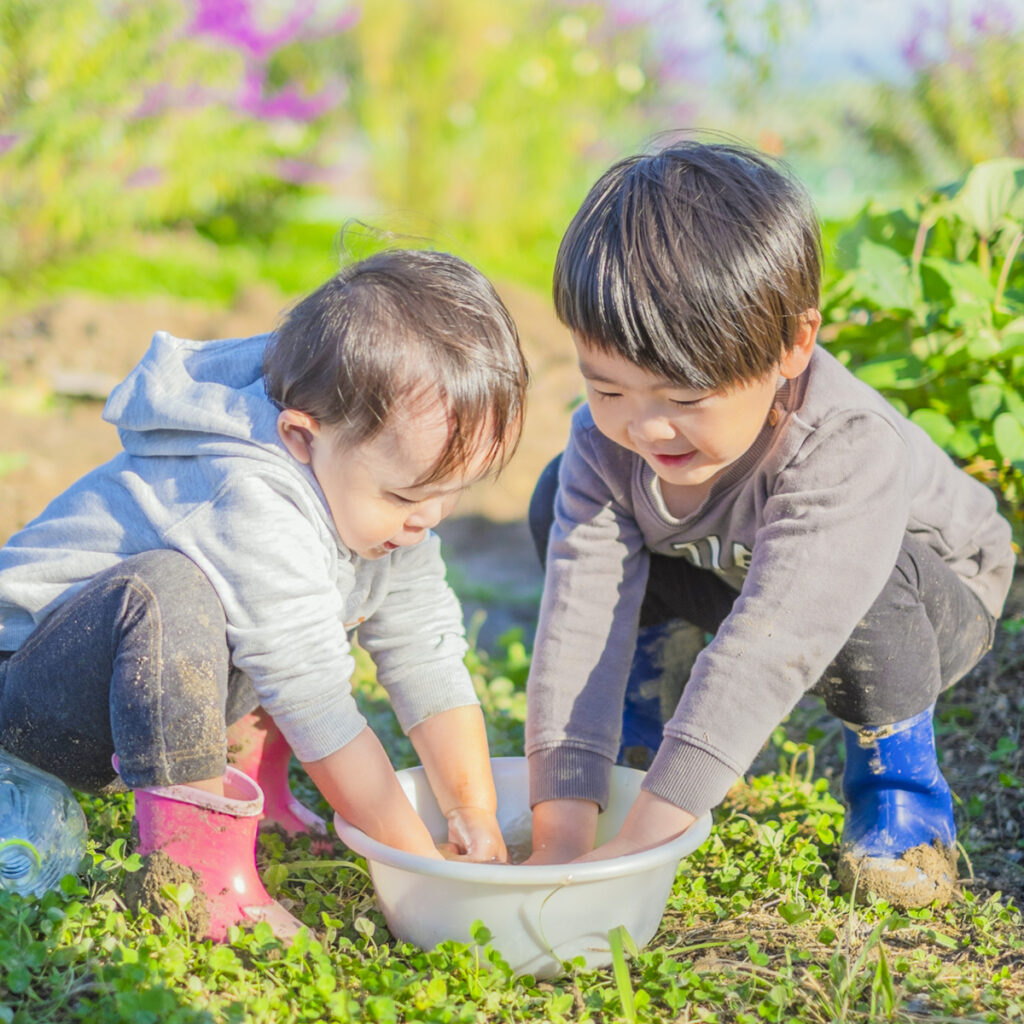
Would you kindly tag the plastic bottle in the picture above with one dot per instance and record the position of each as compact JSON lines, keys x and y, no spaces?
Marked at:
{"x":42,"y":828}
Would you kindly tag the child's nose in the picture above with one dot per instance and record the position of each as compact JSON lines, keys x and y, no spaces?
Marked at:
{"x":650,"y":428}
{"x":427,"y":514}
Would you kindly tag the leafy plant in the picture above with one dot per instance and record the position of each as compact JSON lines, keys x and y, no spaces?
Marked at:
{"x":928,"y":307}
{"x":119,"y":119}
{"x":966,"y":88}
{"x":486,"y":121}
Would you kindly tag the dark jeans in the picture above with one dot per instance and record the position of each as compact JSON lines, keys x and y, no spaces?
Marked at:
{"x":135,"y":662}
{"x":925,"y":630}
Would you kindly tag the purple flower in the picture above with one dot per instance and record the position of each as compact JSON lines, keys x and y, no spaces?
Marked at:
{"x":288,"y":102}
{"x":303,"y":172}
{"x":144,"y":177}
{"x":6,"y":142}
{"x":993,"y":19}
{"x":235,"y":23}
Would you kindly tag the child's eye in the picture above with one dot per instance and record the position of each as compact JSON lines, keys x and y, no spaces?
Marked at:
{"x":399,"y":499}
{"x":606,"y":394}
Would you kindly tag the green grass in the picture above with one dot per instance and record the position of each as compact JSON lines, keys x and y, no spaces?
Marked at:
{"x":299,"y":256}
{"x":187,"y":266}
{"x":755,"y":929}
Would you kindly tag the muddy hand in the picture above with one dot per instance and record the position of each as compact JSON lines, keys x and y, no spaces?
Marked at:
{"x":474,"y":835}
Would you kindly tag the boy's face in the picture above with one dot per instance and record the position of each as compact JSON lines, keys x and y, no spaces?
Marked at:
{"x":373,"y":489}
{"x":687,"y":437}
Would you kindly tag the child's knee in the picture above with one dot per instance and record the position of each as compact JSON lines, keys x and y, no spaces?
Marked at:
{"x":177,"y":586}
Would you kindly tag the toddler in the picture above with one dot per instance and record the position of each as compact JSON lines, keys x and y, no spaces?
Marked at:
{"x":728,"y":477}
{"x":195,"y":596}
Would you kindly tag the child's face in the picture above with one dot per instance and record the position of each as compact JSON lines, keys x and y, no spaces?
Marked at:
{"x":687,"y":437}
{"x":372,"y":489}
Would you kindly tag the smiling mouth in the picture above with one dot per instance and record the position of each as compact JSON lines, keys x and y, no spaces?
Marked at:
{"x":673,"y":460}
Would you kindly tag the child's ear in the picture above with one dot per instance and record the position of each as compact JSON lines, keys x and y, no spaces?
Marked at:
{"x":795,"y":361}
{"x":297,"y":431}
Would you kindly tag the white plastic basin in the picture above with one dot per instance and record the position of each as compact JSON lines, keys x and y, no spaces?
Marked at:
{"x":538,"y":916}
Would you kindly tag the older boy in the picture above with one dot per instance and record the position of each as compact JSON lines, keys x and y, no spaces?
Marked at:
{"x":728,"y":474}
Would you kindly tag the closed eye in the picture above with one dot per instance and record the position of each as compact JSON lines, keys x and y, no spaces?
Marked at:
{"x":399,"y":499}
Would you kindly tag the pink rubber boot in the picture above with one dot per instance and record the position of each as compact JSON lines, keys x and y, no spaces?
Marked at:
{"x":209,"y":841}
{"x":257,"y":747}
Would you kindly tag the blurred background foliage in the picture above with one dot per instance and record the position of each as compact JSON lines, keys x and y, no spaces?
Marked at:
{"x":473,"y":124}
{"x":196,"y":147}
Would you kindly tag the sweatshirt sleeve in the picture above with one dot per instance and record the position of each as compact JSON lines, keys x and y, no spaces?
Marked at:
{"x":595,"y":578}
{"x":830,"y":534}
{"x":277,"y":572}
{"x":416,"y":637}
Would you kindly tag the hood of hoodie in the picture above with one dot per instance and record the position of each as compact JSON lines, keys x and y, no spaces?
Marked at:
{"x":186,"y":397}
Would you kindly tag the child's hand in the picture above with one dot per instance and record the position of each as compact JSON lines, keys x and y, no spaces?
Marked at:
{"x":651,"y":821}
{"x":474,"y":835}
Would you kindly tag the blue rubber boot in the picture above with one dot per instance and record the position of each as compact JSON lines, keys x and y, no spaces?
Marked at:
{"x":664,"y":655}
{"x":899,"y":842}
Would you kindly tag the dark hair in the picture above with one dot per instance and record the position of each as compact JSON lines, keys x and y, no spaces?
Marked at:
{"x":694,"y":263}
{"x":399,"y":327}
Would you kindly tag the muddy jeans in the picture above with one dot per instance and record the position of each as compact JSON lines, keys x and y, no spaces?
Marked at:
{"x":135,"y":662}
{"x":925,"y":630}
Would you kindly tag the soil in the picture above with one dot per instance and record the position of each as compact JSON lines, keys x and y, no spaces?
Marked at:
{"x":145,"y":889}
{"x":58,"y":361}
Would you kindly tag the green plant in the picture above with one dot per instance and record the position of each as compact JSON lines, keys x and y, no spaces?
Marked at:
{"x":928,"y":307}
{"x":111,"y":120}
{"x":755,"y":929}
{"x":485,"y":121}
{"x":961,"y":102}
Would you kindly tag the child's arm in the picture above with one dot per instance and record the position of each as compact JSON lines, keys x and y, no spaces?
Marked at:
{"x":359,"y":782}
{"x":563,"y":830}
{"x":416,"y":638}
{"x":594,"y":584}
{"x":453,"y":748}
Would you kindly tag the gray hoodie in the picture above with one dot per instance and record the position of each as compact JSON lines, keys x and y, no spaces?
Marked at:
{"x":805,"y":526}
{"x":203,"y":472}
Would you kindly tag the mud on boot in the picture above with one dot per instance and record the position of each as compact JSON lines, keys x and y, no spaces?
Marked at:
{"x":899,"y":841}
{"x":209,"y":841}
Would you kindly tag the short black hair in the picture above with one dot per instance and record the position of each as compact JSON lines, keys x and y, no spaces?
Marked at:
{"x":403,"y":326}
{"x":694,"y":262}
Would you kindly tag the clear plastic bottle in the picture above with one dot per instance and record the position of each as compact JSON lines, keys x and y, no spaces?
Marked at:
{"x":42,"y":828}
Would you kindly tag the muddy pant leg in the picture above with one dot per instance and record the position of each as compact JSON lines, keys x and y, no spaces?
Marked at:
{"x":136,"y":662}
{"x":925,"y":631}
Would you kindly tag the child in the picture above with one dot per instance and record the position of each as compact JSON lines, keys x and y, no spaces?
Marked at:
{"x":274,"y":494}
{"x":727,"y":474}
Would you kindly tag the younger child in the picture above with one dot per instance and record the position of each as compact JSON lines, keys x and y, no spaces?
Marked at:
{"x":275,"y":494}
{"x":727,"y":474}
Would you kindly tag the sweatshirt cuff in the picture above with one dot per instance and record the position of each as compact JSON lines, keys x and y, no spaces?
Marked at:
{"x":689,"y":777}
{"x":313,"y":737}
{"x":569,"y":773}
{"x":433,"y":690}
